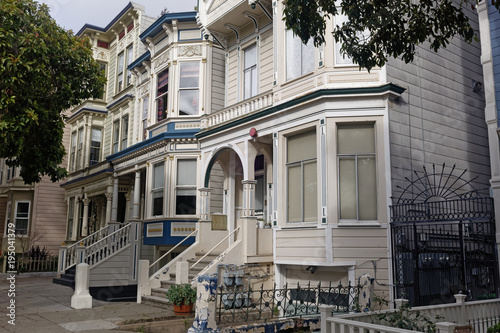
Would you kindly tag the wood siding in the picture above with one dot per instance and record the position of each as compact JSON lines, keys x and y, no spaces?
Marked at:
{"x":217,"y":79}
{"x":300,"y":245}
{"x":439,"y":118}
{"x":232,"y":78}
{"x":113,"y":271}
{"x":266,"y":69}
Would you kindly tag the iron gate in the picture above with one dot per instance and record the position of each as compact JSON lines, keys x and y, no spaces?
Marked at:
{"x":443,"y":241}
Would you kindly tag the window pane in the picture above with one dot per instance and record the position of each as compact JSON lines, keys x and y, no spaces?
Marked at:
{"x":124,"y":132}
{"x":158,"y":174}
{"x":310,"y":192}
{"x":130,"y":58}
{"x":356,"y":139}
{"x":186,"y":172}
{"x":307,"y":55}
{"x":23,"y":209}
{"x":294,"y":193}
{"x":188,"y":104}
{"x":341,"y":59}
{"x":293,"y":54}
{"x":185,"y":203}
{"x":250,"y":56}
{"x":367,"y":188}
{"x":301,"y":146}
{"x":120,"y":62}
{"x":247,"y":85}
{"x":157,"y":203}
{"x":190,"y":74}
{"x":162,"y":107}
{"x":347,"y":188}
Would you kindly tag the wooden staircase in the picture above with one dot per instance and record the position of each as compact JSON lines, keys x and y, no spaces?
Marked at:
{"x":158,"y":297}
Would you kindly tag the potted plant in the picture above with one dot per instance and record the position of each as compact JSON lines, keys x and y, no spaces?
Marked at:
{"x":182,"y":296}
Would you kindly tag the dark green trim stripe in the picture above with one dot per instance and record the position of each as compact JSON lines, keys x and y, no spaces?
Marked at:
{"x":390,"y":87}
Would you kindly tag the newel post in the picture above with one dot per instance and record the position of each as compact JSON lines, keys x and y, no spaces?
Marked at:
{"x":204,"y":321}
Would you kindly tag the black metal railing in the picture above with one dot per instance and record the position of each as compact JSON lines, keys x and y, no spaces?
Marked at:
{"x":243,"y":304}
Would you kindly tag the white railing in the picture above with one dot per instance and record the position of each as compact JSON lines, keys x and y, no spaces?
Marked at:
{"x":165,"y":267}
{"x":109,"y":245}
{"x":480,"y":314}
{"x":215,"y":246}
{"x":245,"y":107}
{"x":67,"y":255}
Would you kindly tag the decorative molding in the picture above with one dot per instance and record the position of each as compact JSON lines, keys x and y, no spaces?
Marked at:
{"x":190,"y":50}
{"x":215,"y":5}
{"x":165,"y":57}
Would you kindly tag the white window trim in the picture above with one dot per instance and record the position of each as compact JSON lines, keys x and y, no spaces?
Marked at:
{"x":152,"y":190}
{"x":167,"y":93}
{"x":100,"y":145}
{"x":189,"y":88}
{"x":255,"y":68}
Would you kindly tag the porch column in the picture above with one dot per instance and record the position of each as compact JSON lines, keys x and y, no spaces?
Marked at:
{"x":74,"y":232}
{"x":114,"y":205}
{"x":102,"y":217}
{"x":249,"y":198}
{"x":109,"y":197}
{"x":137,"y":195}
{"x":128,"y":196}
{"x":85,"y":221}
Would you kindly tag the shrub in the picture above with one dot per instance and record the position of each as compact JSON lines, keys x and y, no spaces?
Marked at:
{"x":494,"y":329}
{"x":181,"y":294}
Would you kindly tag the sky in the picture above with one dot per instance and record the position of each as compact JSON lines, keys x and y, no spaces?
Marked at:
{"x":73,"y":14}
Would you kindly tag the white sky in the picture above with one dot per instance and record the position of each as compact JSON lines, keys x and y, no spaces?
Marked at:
{"x":73,"y":14}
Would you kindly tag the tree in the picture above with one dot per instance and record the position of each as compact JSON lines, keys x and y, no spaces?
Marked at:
{"x":44,"y":70}
{"x":378,"y":29}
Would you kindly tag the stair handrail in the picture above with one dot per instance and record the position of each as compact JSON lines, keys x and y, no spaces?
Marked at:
{"x":71,"y":249}
{"x":169,"y":251}
{"x":121,"y":230}
{"x":213,"y":248}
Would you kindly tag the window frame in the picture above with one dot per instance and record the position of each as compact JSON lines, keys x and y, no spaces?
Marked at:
{"x":145,"y":113}
{"x":129,"y":54}
{"x":16,"y":217}
{"x":162,"y":96}
{"x":303,"y":72}
{"x":339,"y":156}
{"x":253,"y":70}
{"x":93,"y":148}
{"x":79,"y":149}
{"x":183,"y":90}
{"x":178,"y":187}
{"x":120,"y":69}
{"x":301,"y":163}
{"x":72,"y":159}
{"x":115,"y":143}
{"x":124,"y":132}
{"x":155,"y":190}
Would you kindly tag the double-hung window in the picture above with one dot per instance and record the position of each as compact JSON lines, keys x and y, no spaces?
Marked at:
{"x":22,"y":217}
{"x":302,"y":183}
{"x":185,"y":196}
{"x":189,"y":88}
{"x":72,"y":159}
{"x":130,"y":58}
{"x":95,"y":146}
{"x":250,"y":71}
{"x":145,"y":105}
{"x":121,"y":66}
{"x":299,"y":56}
{"x":157,"y":189}
{"x":162,"y":96}
{"x":357,"y":172}
{"x":116,"y":135}
{"x":79,"y":155}
{"x":124,"y":132}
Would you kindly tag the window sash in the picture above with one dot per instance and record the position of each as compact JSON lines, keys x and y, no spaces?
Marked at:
{"x":116,"y":135}
{"x":95,"y":146}
{"x":124,"y":132}
{"x":162,"y":95}
{"x":300,"y":58}
{"x":130,"y":58}
{"x":22,"y":217}
{"x":302,"y":194}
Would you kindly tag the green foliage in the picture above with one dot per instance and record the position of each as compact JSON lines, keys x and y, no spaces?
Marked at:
{"x":181,"y":294}
{"x":394,"y":28}
{"x":494,"y":329}
{"x":401,"y":318}
{"x":45,"y":70}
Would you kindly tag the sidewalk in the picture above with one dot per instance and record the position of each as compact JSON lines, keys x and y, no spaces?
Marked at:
{"x":42,"y":306}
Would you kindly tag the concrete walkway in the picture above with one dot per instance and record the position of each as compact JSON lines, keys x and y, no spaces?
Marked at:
{"x":42,"y":306}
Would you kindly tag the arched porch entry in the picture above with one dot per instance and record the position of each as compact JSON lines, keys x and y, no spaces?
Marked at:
{"x":237,"y":183}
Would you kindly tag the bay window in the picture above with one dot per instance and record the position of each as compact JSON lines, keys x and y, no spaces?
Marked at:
{"x":189,"y":88}
{"x":356,"y":160}
{"x":299,"y":56}
{"x":250,"y":72}
{"x":157,"y":189}
{"x":162,"y":96}
{"x":185,"y":196}
{"x":302,"y":183}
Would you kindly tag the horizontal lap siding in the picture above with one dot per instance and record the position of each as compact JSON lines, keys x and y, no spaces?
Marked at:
{"x":232,"y":78}
{"x":266,"y":61}
{"x":439,"y":114}
{"x":300,"y":245}
{"x":112,"y":272}
{"x":49,"y":223}
{"x":217,"y":79}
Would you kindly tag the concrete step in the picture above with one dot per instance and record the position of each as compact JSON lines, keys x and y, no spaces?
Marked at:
{"x":160,"y":292}
{"x":160,"y":302}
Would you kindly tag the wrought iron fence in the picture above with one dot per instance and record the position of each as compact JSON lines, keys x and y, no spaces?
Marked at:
{"x":244,"y":304}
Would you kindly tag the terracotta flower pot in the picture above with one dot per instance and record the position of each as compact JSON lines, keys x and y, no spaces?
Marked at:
{"x":183,"y":309}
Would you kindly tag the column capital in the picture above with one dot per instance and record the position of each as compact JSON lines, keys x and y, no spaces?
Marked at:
{"x":249,"y":181}
{"x":109,"y":196}
{"x":205,"y":189}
